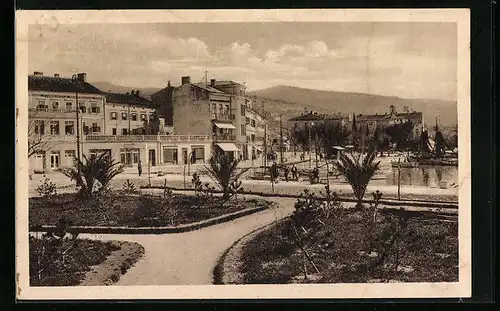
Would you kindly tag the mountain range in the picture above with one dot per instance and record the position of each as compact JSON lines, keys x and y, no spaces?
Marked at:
{"x":296,"y":100}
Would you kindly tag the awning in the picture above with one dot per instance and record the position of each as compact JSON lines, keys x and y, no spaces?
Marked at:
{"x":224,"y":125}
{"x":338,"y":148}
{"x":228,"y":147}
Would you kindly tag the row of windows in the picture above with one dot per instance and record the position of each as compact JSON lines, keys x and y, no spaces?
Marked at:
{"x":94,"y":107}
{"x":69,"y":128}
{"x":133,"y":116}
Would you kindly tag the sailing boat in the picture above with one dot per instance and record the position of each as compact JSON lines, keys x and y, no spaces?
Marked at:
{"x":433,"y":152}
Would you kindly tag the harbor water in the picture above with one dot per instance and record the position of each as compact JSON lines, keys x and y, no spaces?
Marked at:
{"x":424,"y":175}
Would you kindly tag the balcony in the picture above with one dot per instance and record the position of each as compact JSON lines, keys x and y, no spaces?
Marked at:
{"x":51,"y":113}
{"x":223,"y":117}
{"x":147,"y":138}
{"x":224,"y":137}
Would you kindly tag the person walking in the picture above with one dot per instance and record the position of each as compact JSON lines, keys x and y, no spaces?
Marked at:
{"x":274,"y":172}
{"x":295,"y":175}
{"x":139,"y":168}
{"x":285,"y":172}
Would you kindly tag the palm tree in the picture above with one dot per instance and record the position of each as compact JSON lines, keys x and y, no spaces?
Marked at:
{"x":99,"y":169}
{"x":222,"y":169}
{"x":358,"y":171}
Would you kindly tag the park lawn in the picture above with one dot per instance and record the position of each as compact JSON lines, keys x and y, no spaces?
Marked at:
{"x":133,"y":210}
{"x":428,"y":252}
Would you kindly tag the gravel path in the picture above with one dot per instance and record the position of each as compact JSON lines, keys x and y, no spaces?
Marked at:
{"x":189,"y":258}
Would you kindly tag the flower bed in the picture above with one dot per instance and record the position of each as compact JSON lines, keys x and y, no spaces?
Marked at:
{"x":134,"y":210}
{"x":342,"y":251}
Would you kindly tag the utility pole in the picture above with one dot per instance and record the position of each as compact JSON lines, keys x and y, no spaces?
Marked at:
{"x":74,"y":78}
{"x":281,"y":139}
{"x":265,"y":147}
{"x":309,"y":145}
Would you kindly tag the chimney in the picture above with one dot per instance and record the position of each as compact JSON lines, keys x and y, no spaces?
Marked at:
{"x":38,"y":73}
{"x":212,"y":82}
{"x":56,"y":75}
{"x":82,"y":77}
{"x":185,"y":80}
{"x":168,"y":84}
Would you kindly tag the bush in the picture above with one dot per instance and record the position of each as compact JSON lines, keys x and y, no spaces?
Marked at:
{"x":128,"y":187}
{"x":47,"y":189}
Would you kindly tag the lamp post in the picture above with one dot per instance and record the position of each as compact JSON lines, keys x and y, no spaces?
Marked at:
{"x":74,"y":79}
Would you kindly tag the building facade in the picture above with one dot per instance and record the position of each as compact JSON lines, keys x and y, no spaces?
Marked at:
{"x":105,"y":122}
{"x":53,"y":123}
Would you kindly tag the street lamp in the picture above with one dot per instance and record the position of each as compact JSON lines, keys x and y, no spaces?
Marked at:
{"x":75,"y":80}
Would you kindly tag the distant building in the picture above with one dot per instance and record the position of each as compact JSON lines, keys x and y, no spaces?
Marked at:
{"x":311,"y":118}
{"x":385,"y":120}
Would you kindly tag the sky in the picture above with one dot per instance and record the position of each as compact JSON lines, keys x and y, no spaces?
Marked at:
{"x":410,"y":60}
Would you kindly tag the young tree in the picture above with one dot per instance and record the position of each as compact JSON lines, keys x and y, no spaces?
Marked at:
{"x":222,"y":169}
{"x":358,"y":171}
{"x":94,"y":173}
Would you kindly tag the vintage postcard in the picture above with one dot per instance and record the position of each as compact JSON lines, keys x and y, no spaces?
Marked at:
{"x":236,"y":154}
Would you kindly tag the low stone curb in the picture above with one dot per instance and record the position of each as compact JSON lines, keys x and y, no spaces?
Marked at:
{"x":227,"y":269}
{"x":155,"y":230}
{"x":388,"y":202}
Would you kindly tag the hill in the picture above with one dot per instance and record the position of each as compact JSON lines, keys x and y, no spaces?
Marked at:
{"x":110,"y":87}
{"x":330,"y":102}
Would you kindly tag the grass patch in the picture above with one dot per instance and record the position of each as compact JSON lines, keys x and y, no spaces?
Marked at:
{"x":69,"y":269}
{"x":427,"y":252}
{"x":134,"y":211}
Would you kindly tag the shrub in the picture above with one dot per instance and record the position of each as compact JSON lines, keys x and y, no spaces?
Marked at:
{"x":358,"y":171}
{"x":47,"y":189}
{"x":128,"y":187}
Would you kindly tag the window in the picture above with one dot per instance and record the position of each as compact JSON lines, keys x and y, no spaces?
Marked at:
{"x":198,"y":154}
{"x":95,"y":128}
{"x":124,"y":131}
{"x":252,"y":122}
{"x":39,"y":127}
{"x":134,"y":116}
{"x":252,"y":137}
{"x":135,"y":155}
{"x":42,"y":105}
{"x":243,"y":110}
{"x":143,"y":117}
{"x":112,"y":116}
{"x":69,"y":154}
{"x":69,"y":106}
{"x":98,"y":152}
{"x":243,"y":130}
{"x":55,"y":105}
{"x":85,"y":129}
{"x":83,"y":108}
{"x":69,"y":128}
{"x":214,"y":108}
{"x":124,"y":116}
{"x":170,"y":155}
{"x":54,"y":127}
{"x":95,"y":108}
{"x":247,"y":120}
{"x":114,"y":131}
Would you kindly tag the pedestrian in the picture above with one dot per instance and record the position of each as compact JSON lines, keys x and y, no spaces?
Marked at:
{"x":285,"y":172}
{"x":294,"y":173}
{"x":274,"y":172}
{"x":139,"y":168}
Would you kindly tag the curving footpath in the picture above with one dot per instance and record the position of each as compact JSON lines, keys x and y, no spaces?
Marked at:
{"x":189,"y":258}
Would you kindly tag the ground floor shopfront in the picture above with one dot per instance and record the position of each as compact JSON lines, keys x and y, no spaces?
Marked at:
{"x":154,"y":152}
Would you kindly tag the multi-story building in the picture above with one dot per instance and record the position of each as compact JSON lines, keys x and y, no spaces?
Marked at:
{"x":53,"y":122}
{"x":131,"y":114}
{"x":256,"y":132}
{"x":216,"y":109}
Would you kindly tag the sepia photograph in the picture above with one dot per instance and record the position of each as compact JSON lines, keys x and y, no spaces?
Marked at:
{"x":233,"y":154}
